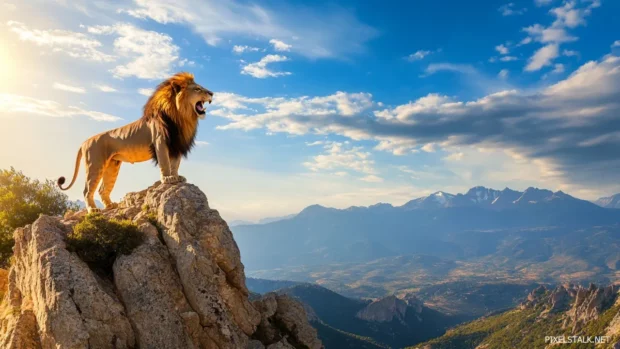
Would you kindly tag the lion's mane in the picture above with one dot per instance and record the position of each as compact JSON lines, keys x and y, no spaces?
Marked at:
{"x":178,"y":125}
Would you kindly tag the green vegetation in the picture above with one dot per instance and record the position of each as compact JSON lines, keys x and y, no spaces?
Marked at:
{"x":472,"y":334}
{"x":98,"y":240}
{"x":520,"y":329}
{"x":22,"y":201}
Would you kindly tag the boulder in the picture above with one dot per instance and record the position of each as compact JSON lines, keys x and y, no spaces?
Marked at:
{"x":183,"y":287}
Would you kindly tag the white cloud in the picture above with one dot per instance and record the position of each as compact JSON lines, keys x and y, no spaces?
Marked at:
{"x":68,"y":88}
{"x":239,"y":49}
{"x":558,"y":69}
{"x":543,"y":2}
{"x":338,"y":156}
{"x":459,"y":68}
{"x":542,"y":57}
{"x":546,"y":35}
{"x":146,"y":91}
{"x":455,"y":157}
{"x":570,"y":53}
{"x":312,"y":144}
{"x":279,"y":45}
{"x":321,"y":32}
{"x":616,"y":43}
{"x":418,"y":55}
{"x":73,"y":44}
{"x":186,"y":62}
{"x":201,"y":143}
{"x":508,"y":58}
{"x":11,"y":104}
{"x":554,"y":126}
{"x":503,"y":74}
{"x":429,"y":147}
{"x":570,"y":16}
{"x":502,"y":49}
{"x":372,"y":179}
{"x":277,"y":111}
{"x":151,"y":54}
{"x":105,"y":88}
{"x":260,"y":70}
{"x":510,"y":10}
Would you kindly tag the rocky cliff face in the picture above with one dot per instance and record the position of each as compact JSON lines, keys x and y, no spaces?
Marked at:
{"x":183,"y":287}
{"x":580,"y":305}
{"x":391,"y":307}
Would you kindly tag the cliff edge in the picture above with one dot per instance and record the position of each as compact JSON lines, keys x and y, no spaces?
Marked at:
{"x":183,"y":287}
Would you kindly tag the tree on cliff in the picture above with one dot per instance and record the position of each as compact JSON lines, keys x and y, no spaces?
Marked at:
{"x":22,"y":200}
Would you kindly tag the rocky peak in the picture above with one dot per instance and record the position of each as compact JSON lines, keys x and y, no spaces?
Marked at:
{"x":413,"y":302}
{"x":589,"y":304}
{"x":533,"y":195}
{"x":392,"y":308}
{"x":384,"y":310}
{"x":183,"y":287}
{"x":609,"y":202}
{"x":482,"y":194}
{"x":578,"y":304}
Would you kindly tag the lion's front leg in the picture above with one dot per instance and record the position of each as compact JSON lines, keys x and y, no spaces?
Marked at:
{"x":110,"y":173}
{"x":174,"y":167}
{"x":163,"y":157}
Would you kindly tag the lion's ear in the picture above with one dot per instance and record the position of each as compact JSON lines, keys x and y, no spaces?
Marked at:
{"x":175,"y":87}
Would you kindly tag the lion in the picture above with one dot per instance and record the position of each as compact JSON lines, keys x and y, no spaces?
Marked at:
{"x":165,"y":133}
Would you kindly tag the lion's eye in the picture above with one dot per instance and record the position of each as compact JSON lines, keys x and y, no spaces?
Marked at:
{"x":197,"y":89}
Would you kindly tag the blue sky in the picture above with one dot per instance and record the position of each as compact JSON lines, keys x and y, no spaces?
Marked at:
{"x":347,"y":103}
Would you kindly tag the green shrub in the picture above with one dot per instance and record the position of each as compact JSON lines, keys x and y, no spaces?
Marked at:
{"x":22,"y":200}
{"x":98,"y":240}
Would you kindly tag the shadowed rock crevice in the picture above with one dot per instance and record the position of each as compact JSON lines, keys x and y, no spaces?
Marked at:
{"x":183,"y":287}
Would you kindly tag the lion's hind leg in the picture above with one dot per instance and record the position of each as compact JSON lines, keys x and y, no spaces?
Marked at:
{"x":94,"y":172}
{"x":110,"y":173}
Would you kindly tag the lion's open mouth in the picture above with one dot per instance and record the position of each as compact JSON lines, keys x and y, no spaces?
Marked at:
{"x":200,"y":108}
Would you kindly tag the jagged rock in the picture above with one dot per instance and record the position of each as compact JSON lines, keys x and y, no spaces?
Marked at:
{"x":534,"y":297}
{"x":414,"y":303}
{"x":384,"y":310}
{"x":284,"y":323}
{"x":589,"y":304}
{"x":183,"y":287}
{"x":579,"y":304}
{"x":560,"y":300}
{"x":72,"y":306}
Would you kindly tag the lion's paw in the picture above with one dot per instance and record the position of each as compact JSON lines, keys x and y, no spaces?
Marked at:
{"x":170,"y":179}
{"x":182,"y":179}
{"x":94,"y":210}
{"x":111,"y":206}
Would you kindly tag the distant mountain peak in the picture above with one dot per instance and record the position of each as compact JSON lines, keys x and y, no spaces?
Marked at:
{"x":609,"y":201}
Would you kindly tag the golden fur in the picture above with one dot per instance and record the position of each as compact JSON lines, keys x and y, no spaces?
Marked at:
{"x":165,"y":133}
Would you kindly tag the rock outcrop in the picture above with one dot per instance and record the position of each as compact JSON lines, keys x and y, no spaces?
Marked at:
{"x":384,"y":310}
{"x":183,"y":287}
{"x":578,"y":304}
{"x":391,"y":308}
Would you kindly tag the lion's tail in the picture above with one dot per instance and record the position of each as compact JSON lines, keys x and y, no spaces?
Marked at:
{"x":61,"y":180}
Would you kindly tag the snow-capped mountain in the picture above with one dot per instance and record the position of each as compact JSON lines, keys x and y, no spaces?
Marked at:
{"x":439,"y":199}
{"x":609,"y":202}
{"x":533,"y":196}
{"x":490,"y":198}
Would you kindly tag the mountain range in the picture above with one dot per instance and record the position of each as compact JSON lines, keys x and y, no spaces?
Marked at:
{"x":427,"y":225}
